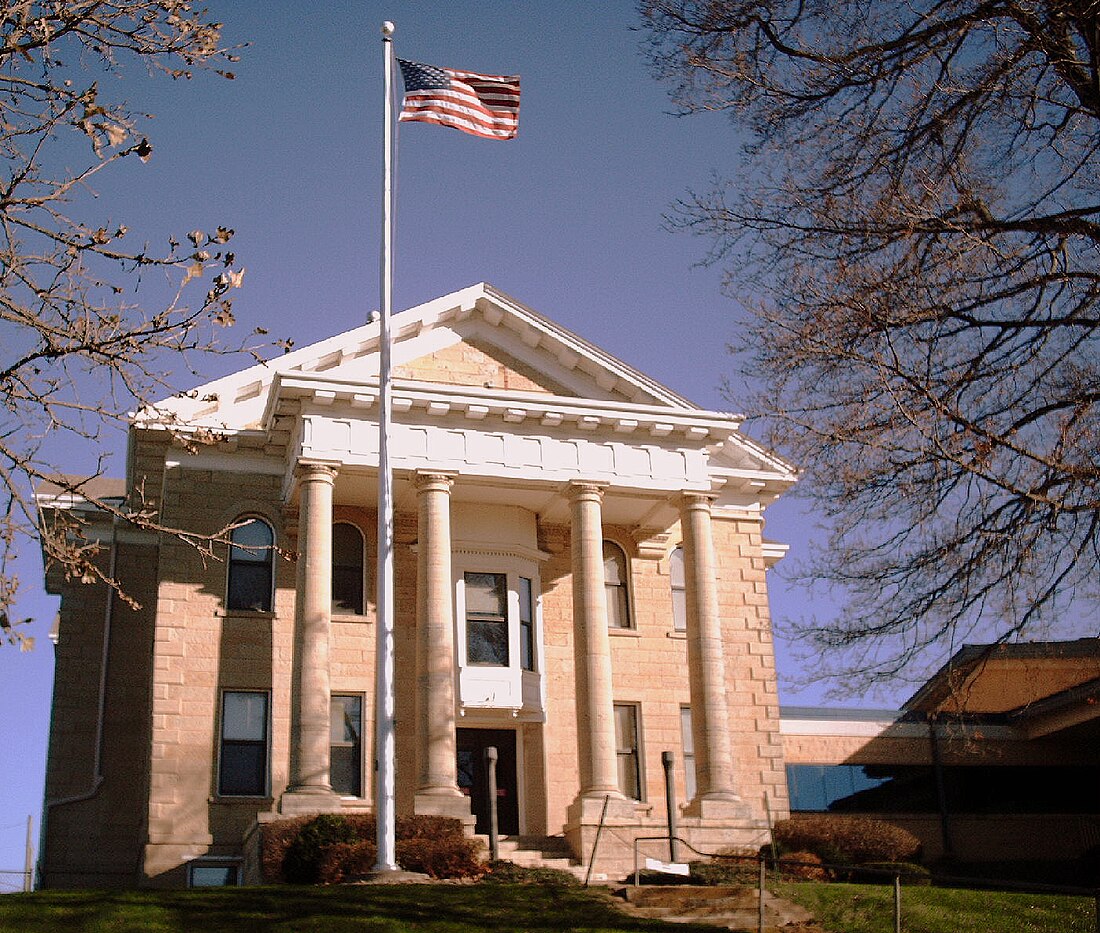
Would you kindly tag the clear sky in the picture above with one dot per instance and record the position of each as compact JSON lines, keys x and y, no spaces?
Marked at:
{"x":566,"y":218}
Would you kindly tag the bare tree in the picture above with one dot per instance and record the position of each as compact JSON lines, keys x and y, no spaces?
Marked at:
{"x":916,"y":227}
{"x":78,"y":349}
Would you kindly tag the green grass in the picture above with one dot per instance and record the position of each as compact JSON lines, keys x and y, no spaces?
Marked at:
{"x":444,"y":908}
{"x":863,"y":908}
{"x":441,"y":908}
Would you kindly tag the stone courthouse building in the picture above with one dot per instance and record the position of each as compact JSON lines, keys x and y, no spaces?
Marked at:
{"x":580,"y":583}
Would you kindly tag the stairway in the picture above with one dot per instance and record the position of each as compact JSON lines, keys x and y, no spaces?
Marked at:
{"x":538,"y":852}
{"x":730,"y":907}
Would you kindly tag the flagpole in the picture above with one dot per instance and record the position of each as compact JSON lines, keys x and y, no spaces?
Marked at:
{"x":384,"y":708}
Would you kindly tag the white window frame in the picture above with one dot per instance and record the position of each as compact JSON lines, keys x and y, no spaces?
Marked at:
{"x":505,"y":687}
{"x":266,"y":792}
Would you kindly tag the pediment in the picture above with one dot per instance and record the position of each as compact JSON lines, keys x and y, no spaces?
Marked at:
{"x":476,"y":337}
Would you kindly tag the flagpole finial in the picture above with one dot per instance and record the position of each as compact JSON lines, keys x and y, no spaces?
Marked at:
{"x":387,"y":29}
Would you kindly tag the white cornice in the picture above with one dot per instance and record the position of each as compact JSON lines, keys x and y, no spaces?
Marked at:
{"x":473,"y":402}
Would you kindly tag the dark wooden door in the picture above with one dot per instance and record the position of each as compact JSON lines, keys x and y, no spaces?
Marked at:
{"x":473,"y":777}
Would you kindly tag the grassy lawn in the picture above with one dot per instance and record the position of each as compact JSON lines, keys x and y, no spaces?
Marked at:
{"x":840,"y":908}
{"x":860,"y":908}
{"x":378,"y":908}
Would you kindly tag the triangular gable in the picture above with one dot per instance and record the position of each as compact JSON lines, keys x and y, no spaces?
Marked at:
{"x":515,"y":348}
{"x":477,"y":362}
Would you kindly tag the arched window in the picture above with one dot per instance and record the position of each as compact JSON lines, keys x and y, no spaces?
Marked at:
{"x":347,"y":569}
{"x":616,"y":579}
{"x":679,"y":594}
{"x":251,"y":565}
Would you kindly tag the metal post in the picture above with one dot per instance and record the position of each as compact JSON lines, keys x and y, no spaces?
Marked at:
{"x":596,"y":841}
{"x":28,"y":865}
{"x":491,"y":769}
{"x":760,"y":907}
{"x":897,"y":903}
{"x":667,"y":760}
{"x":385,"y":706}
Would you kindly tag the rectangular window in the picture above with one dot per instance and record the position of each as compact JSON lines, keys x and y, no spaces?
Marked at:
{"x":213,"y":874}
{"x":242,"y":768}
{"x":346,"y":745}
{"x":687,"y":742}
{"x":526,"y":625}
{"x":487,"y":619}
{"x":626,"y":749}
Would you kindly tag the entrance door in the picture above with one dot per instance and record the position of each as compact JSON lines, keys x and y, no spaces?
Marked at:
{"x":473,"y":777}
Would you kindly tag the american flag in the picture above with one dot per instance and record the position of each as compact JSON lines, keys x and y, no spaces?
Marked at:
{"x":483,"y":105}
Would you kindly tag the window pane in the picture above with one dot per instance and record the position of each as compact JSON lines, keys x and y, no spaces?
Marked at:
{"x":213,"y":876}
{"x":626,"y":742}
{"x":346,"y":755}
{"x":487,"y":642}
{"x":249,"y":586}
{"x":256,"y":539}
{"x":244,"y":716}
{"x":688,"y":744}
{"x":486,"y":595}
{"x":526,"y":603}
{"x":618,"y":611}
{"x":526,"y":625}
{"x":615,"y":586}
{"x":679,"y":597}
{"x":347,"y":569}
{"x":243,"y":769}
{"x":526,"y":646}
{"x":346,"y":719}
{"x":614,"y":563}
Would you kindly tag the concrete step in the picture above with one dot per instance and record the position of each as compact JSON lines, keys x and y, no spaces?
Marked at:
{"x":733,"y":907}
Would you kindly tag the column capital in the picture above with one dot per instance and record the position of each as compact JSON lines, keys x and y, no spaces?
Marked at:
{"x":432,"y":481}
{"x":579,"y":490}
{"x":695,"y":501}
{"x":317,"y":470}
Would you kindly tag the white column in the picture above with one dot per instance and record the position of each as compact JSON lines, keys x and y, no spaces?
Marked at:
{"x":596,"y":729}
{"x":435,"y":649}
{"x":706,"y":664}
{"x":309,"y":788}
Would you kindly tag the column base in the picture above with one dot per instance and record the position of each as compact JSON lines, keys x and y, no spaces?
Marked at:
{"x":718,"y":807}
{"x":614,"y":853}
{"x":586,"y":810}
{"x":443,"y":803}
{"x":303,"y":801}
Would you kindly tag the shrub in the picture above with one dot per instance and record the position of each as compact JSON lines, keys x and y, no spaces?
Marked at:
{"x":805,"y":866}
{"x":275,"y":839}
{"x":847,"y":840}
{"x":885,"y":872}
{"x":333,"y":847}
{"x":429,"y":827}
{"x":441,"y":857}
{"x":302,"y":862}
{"x":725,"y":871}
{"x":505,"y":872}
{"x":346,"y":860}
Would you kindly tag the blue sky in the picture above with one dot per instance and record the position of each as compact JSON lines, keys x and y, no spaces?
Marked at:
{"x":566,"y":218}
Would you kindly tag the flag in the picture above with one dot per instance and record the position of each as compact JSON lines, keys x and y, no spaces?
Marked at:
{"x":483,"y":105}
